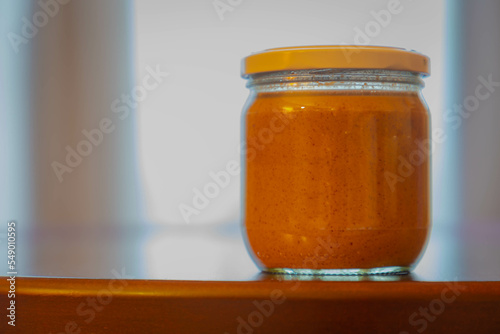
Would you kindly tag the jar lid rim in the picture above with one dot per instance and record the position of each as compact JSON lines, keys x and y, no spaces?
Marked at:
{"x":335,"y":57}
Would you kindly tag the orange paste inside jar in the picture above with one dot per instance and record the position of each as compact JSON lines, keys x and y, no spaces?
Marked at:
{"x":327,"y":185}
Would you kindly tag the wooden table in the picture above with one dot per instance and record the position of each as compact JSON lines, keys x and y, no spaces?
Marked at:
{"x":197,"y":279}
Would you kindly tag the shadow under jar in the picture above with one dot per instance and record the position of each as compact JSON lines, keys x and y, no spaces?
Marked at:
{"x":337,"y":160}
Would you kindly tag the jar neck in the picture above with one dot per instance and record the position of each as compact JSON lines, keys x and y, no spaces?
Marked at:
{"x":337,"y":79}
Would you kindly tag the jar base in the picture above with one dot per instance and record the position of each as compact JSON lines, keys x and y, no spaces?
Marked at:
{"x":394,"y":270}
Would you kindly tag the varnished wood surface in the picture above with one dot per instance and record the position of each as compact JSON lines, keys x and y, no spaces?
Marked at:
{"x":48,"y":305}
{"x":202,"y":281}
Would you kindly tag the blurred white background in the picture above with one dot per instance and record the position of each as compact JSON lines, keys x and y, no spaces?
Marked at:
{"x":65,"y":77}
{"x":190,"y":125}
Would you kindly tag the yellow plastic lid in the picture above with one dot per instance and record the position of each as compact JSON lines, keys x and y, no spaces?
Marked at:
{"x":335,"y":56}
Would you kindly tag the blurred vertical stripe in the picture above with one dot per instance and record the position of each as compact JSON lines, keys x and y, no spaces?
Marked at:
{"x":61,"y":82}
{"x":481,"y":131}
{"x":83,"y":60}
{"x":16,"y":200}
{"x":447,"y":183}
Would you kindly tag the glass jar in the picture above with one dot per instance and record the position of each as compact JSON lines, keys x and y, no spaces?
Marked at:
{"x":337,"y":165}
